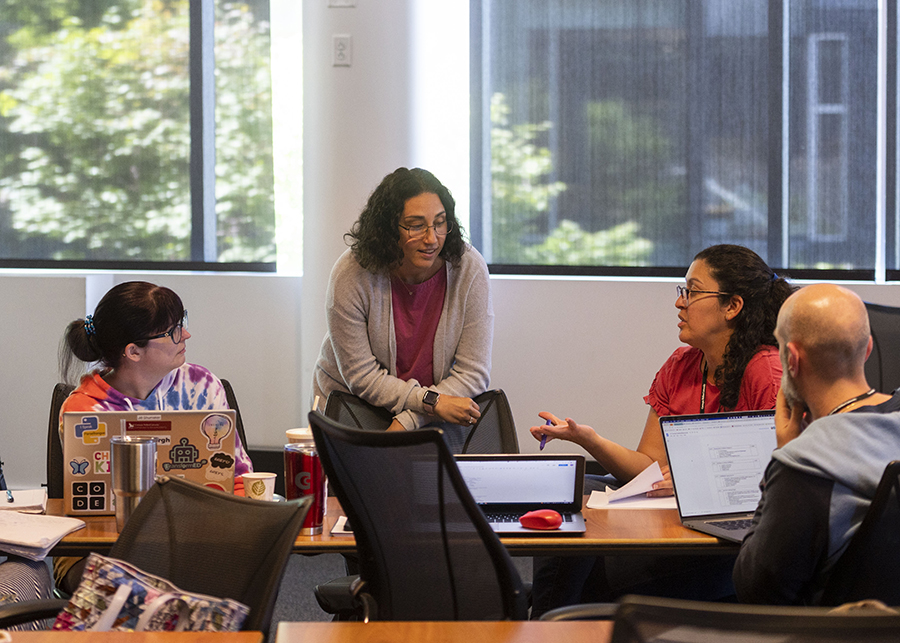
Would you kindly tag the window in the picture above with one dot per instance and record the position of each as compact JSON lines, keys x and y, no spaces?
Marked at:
{"x":136,"y":133}
{"x":623,"y":136}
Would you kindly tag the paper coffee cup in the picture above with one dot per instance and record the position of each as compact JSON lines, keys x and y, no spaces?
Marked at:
{"x":259,"y":485}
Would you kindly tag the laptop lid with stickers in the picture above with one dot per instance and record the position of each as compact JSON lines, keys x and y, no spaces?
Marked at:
{"x":194,"y":445}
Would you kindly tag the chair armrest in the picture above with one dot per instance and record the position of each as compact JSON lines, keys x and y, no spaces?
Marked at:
{"x":585,"y":612}
{"x":28,"y":611}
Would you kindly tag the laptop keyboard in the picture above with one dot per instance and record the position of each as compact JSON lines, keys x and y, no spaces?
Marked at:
{"x":731,"y":525}
{"x":505,"y":518}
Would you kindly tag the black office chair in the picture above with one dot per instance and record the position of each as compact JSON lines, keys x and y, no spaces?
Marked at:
{"x":883,"y":366}
{"x":209,"y":542}
{"x":54,"y":446}
{"x":870,"y":566}
{"x":495,"y":431}
{"x":233,"y":405}
{"x":426,"y":552}
{"x":55,"y":464}
{"x":641,"y":619}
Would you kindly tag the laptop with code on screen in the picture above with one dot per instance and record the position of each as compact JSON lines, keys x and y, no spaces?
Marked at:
{"x":717,"y":461}
{"x":506,"y":486}
{"x":195,"y":445}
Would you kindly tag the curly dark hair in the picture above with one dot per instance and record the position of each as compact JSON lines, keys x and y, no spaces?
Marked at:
{"x":375,"y":237}
{"x":128,"y":313}
{"x":740,"y":271}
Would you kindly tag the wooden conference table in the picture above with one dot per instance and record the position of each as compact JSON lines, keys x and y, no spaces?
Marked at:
{"x":50,"y":636}
{"x":446,"y":632}
{"x":609,"y":531}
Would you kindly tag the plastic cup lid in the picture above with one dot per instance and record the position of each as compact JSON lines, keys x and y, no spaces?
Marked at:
{"x":299,"y":435}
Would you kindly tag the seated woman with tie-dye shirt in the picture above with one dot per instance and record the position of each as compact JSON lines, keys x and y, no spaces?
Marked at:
{"x":138,"y":336}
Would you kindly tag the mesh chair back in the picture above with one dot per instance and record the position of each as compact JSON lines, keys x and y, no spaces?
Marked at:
{"x":495,"y":431}
{"x":233,"y":405}
{"x":425,"y":549}
{"x":883,"y":366}
{"x":641,"y":619}
{"x":54,"y":446}
{"x":209,"y":542}
{"x":870,"y":566}
{"x":350,"y":410}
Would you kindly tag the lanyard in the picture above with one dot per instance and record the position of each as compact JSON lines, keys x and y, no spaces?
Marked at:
{"x":703,"y":388}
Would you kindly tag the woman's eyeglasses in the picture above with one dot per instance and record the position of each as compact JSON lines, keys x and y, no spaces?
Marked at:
{"x":417,"y":231}
{"x":176,"y":332}
{"x":686,"y":293}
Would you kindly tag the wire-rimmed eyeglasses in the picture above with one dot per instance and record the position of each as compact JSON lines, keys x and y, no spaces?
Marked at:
{"x":418,"y":230}
{"x":686,"y":293}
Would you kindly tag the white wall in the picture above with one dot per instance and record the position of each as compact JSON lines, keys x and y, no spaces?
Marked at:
{"x":587,"y":348}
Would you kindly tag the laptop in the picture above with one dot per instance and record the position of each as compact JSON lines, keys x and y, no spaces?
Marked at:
{"x":195,"y":445}
{"x":717,"y":461}
{"x":508,"y":485}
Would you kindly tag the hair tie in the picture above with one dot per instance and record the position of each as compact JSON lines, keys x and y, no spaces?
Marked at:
{"x":774,"y":276}
{"x":89,"y":326}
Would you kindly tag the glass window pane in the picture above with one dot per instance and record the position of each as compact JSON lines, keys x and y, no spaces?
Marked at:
{"x":833,"y":94}
{"x":94,"y":130}
{"x":245,"y":209}
{"x":626,"y":132}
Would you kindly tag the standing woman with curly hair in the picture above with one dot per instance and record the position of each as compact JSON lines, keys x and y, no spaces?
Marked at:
{"x":409,"y":315}
{"x":727,"y":312}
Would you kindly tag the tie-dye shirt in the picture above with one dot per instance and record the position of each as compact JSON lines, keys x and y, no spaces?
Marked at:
{"x":188,"y":387}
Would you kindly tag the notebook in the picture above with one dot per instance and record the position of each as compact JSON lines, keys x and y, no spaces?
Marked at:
{"x":717,"y":461}
{"x":507,"y":486}
{"x":195,"y":445}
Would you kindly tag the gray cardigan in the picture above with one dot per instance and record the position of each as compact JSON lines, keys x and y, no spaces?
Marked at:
{"x":359,"y":353}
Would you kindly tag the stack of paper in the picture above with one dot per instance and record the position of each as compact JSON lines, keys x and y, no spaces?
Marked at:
{"x":634,"y":494}
{"x":32,"y":536}
{"x":33,"y":501}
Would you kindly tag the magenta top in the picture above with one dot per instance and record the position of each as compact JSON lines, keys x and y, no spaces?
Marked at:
{"x":417,"y":310}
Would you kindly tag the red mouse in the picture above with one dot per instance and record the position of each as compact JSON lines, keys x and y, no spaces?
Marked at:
{"x":541,"y":519}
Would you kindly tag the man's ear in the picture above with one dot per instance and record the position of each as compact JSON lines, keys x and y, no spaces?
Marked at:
{"x":735,"y":305}
{"x":793,"y":352}
{"x":869,"y":347}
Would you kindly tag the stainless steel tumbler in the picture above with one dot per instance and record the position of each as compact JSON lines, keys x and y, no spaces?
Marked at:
{"x":133,"y":467}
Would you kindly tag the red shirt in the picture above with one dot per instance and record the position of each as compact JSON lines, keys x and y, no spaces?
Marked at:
{"x":676,"y":387}
{"x":417,"y":310}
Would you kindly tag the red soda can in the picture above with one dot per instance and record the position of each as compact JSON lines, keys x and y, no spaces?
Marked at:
{"x":303,"y":476}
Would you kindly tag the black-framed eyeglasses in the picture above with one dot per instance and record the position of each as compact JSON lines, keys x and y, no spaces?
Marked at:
{"x":417,"y":231}
{"x":686,"y":293}
{"x":176,"y":332}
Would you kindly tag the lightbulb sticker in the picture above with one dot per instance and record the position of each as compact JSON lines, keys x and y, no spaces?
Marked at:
{"x":216,"y":428}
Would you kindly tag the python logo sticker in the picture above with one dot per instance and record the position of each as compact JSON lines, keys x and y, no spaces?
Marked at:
{"x":90,"y":430}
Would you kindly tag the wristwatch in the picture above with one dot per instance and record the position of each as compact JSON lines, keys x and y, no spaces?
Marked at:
{"x":430,"y":400}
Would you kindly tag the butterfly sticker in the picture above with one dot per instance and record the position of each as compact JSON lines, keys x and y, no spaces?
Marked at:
{"x":79,"y":467}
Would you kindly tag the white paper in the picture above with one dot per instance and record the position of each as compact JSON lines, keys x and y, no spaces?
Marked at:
{"x":25,"y":500}
{"x":600,"y":500}
{"x":340,"y":527}
{"x":640,"y":484}
{"x":33,"y":536}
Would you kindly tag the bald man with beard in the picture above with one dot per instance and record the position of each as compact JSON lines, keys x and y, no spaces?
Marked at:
{"x":835,"y":436}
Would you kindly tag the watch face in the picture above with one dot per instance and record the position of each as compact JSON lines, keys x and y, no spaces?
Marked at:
{"x":430,"y":398}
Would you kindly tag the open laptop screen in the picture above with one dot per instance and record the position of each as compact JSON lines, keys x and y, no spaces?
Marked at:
{"x":717,"y":459}
{"x":526,"y":479}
